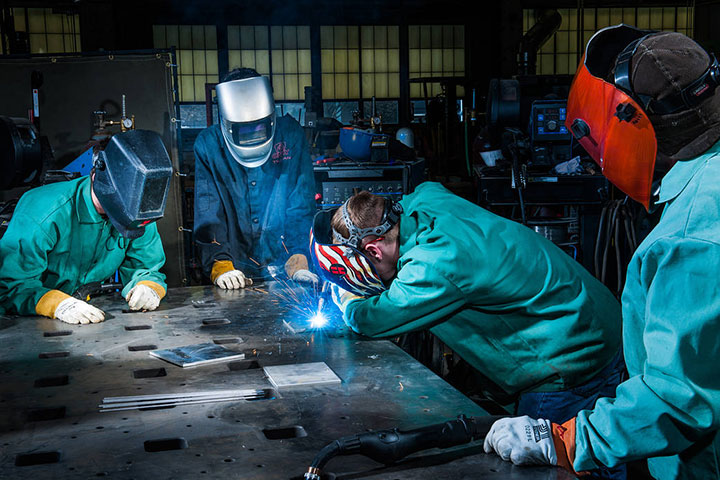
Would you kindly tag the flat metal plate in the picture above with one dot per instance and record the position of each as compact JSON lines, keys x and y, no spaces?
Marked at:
{"x":54,"y":377}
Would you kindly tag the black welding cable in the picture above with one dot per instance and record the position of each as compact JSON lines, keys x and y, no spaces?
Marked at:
{"x":325,"y":455}
{"x":618,"y":255}
{"x":628,"y":230}
{"x":522,"y":206}
{"x":608,"y":240}
{"x":633,"y":230}
{"x":598,"y":239}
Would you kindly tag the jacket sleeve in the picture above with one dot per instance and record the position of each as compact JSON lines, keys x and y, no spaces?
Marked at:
{"x":675,"y":400}
{"x":417,"y":299}
{"x":143,"y":260}
{"x":23,"y":261}
{"x":210,"y":223}
{"x":301,"y":203}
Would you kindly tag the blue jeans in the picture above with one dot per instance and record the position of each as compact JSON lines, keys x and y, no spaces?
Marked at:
{"x":559,"y":407}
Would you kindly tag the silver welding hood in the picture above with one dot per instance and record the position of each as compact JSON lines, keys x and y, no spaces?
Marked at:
{"x":247,"y":119}
{"x":132,"y":179}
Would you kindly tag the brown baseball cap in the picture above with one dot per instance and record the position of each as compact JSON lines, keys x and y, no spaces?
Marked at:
{"x":664,"y":64}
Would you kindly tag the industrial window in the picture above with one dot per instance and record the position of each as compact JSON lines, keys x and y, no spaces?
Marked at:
{"x":47,"y":30}
{"x":280,"y":52}
{"x":196,"y":49}
{"x":435,"y":51}
{"x":561,"y":54}
{"x":360,"y":62}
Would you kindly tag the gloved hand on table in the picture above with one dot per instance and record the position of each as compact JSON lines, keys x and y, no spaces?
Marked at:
{"x":227,"y":277}
{"x":342,"y":297}
{"x":297,"y":269}
{"x":72,"y":310}
{"x":527,"y":441}
{"x":142,"y":297}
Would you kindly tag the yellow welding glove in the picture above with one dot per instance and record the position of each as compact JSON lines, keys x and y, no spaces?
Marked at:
{"x":146,"y":296}
{"x":226,"y":276}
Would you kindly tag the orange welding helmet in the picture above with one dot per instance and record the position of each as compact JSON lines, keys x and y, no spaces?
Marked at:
{"x":607,"y":121}
{"x":637,"y":93}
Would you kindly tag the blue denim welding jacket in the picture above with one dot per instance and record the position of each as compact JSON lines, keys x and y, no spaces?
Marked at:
{"x":253,"y":217}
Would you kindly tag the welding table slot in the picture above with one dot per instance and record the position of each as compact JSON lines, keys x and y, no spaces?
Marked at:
{"x":59,"y":333}
{"x":45,"y":355}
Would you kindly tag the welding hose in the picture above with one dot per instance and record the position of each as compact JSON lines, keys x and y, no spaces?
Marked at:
{"x":618,"y":263}
{"x":389,"y":446}
{"x":601,"y":224}
{"x":467,"y":147}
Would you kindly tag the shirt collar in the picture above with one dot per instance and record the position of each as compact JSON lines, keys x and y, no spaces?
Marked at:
{"x":681,"y":173}
{"x":84,"y":207}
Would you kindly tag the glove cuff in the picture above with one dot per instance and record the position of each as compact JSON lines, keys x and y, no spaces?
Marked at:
{"x":156,"y":287}
{"x":220,"y":267}
{"x":48,"y":303}
{"x":563,"y":437}
{"x":294,"y":263}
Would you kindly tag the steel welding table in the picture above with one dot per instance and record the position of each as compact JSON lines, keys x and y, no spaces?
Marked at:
{"x":55,"y":375}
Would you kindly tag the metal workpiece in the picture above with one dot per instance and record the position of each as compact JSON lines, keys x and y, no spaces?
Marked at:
{"x":55,"y":377}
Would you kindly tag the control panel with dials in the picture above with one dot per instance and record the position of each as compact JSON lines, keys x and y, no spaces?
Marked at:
{"x":548,"y":121}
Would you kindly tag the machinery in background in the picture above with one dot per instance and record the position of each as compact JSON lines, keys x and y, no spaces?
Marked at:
{"x":531,"y":170}
{"x":369,"y":158}
{"x":377,"y":162}
{"x":21,"y":153}
{"x":550,"y":139}
{"x":536,"y":106}
{"x":23,"y":156}
{"x":99,"y":138}
{"x":337,"y":181}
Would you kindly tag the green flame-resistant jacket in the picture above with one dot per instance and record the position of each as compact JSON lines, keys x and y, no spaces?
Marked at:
{"x":56,"y":240}
{"x":508,"y":301}
{"x":669,"y":408}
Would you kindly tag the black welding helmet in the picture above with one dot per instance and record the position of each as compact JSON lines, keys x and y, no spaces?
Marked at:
{"x":132,"y":179}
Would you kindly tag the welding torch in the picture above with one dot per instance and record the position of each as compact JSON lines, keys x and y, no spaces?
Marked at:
{"x":93,"y":289}
{"x":323,"y":292}
{"x":389,"y":446}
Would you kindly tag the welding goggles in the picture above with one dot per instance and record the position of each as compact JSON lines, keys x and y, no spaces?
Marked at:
{"x":611,"y":121}
{"x":247,"y":119}
{"x":132,"y":180}
{"x":339,"y":260}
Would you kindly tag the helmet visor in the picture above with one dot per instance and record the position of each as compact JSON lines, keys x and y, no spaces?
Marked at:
{"x":250,"y":134}
{"x":615,"y":131}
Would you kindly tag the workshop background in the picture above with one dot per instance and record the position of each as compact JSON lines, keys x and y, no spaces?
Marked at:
{"x":482,"y":87}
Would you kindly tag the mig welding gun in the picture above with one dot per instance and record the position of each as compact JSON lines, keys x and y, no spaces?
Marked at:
{"x":389,"y":446}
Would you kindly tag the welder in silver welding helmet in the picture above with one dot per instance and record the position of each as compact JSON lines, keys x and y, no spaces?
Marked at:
{"x":247,"y":119}
{"x":131,"y":180}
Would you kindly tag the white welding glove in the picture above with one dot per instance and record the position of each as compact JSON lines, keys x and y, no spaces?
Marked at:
{"x":142,"y":297}
{"x":306,"y":276}
{"x":522,"y":441}
{"x":72,"y":310}
{"x":342,"y":297}
{"x":233,"y":280}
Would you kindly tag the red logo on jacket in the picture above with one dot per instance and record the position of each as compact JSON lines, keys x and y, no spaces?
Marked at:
{"x":280,"y":152}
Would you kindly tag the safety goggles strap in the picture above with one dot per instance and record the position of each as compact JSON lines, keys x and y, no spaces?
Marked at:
{"x":390,"y":218}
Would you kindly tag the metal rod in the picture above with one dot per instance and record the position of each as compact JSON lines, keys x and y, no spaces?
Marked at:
{"x":177,"y":404}
{"x":179,"y":395}
{"x":177,"y":400}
